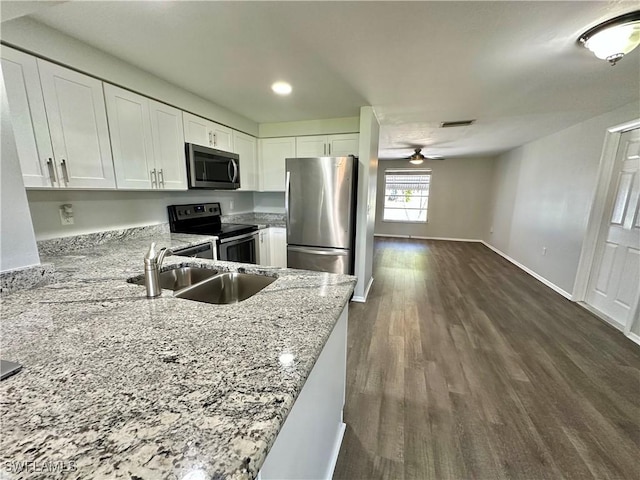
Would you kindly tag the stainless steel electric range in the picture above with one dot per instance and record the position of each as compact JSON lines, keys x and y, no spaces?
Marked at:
{"x":236,"y":242}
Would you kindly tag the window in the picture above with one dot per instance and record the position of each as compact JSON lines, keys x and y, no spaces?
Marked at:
{"x":406,"y":195}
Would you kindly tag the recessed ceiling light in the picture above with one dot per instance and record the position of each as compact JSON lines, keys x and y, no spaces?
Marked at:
{"x":281,"y":88}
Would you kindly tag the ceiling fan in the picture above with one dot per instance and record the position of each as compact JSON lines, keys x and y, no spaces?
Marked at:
{"x":417,"y":157}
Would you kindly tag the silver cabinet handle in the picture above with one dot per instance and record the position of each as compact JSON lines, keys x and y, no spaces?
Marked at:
{"x":210,"y":138}
{"x":329,"y":149}
{"x":52,"y":171}
{"x":324,"y":148}
{"x":154,"y":178}
{"x":65,"y":173}
{"x":215,"y":140}
{"x":161,"y":178}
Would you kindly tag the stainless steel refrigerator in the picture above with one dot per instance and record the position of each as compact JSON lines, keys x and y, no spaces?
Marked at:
{"x":320,"y":202}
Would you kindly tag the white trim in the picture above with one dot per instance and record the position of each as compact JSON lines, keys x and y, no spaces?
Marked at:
{"x":602,"y":316}
{"x":417,"y":237}
{"x":336,"y":451}
{"x":634,"y":338}
{"x":363,"y":299}
{"x":538,"y":277}
{"x":599,"y":205}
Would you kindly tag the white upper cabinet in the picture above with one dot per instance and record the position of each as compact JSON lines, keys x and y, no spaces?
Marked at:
{"x":168,"y":146}
{"x":327,"y":145}
{"x":271,"y":157}
{"x":130,"y":130}
{"x":246,"y":148}
{"x":343,"y":144}
{"x":204,"y":132}
{"x":148,"y":141}
{"x":28,"y":118}
{"x":311,"y":146}
{"x":78,"y":126}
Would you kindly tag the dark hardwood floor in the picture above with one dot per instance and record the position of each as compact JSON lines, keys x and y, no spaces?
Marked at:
{"x":462,"y":366}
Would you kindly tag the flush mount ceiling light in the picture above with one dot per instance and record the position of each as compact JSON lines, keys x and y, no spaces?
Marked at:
{"x":281,"y":88}
{"x":613,"y":39}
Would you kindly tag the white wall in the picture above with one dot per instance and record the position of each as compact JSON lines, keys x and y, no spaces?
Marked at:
{"x":17,"y":241}
{"x":459,"y":199}
{"x":96,"y":211}
{"x":50,"y":43}
{"x":542,"y":195}
{"x":310,"y":127}
{"x":367,"y":181}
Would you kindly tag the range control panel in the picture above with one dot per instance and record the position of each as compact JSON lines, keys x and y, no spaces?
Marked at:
{"x":196,"y":210}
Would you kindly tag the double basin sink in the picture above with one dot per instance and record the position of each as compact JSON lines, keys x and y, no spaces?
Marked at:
{"x":210,"y":286}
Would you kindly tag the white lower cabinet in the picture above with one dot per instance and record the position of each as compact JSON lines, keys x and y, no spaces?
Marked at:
{"x":265,"y":247}
{"x":148,"y":141}
{"x":278,"y":246}
{"x":271,"y":157}
{"x":308,"y":443}
{"x":246,"y":148}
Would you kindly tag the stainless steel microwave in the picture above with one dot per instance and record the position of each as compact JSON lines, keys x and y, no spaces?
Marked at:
{"x":211,"y":168}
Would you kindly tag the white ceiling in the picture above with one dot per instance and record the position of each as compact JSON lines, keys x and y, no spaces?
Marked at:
{"x":512,"y":65}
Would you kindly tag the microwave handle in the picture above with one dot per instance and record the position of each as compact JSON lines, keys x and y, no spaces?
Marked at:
{"x":233,"y":177}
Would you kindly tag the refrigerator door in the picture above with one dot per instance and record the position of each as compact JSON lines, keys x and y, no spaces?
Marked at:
{"x":332,"y":260}
{"x":320,"y":201}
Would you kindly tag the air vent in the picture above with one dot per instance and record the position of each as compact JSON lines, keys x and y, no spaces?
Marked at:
{"x":459,"y":123}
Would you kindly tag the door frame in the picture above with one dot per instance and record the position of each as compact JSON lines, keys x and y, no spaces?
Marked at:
{"x":600,"y":208}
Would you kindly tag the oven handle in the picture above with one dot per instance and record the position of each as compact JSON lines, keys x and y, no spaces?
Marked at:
{"x":239,"y":237}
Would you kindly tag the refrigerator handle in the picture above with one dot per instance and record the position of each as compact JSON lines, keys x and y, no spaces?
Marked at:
{"x":318,"y":251}
{"x":287,"y":183}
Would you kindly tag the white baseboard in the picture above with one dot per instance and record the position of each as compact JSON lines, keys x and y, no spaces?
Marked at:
{"x":363,"y":299}
{"x":417,"y":237}
{"x":538,"y":277}
{"x":633,"y":337}
{"x":602,"y":316}
{"x":336,"y":451}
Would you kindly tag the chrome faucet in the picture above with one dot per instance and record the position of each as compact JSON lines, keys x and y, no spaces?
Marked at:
{"x":152,"y":263}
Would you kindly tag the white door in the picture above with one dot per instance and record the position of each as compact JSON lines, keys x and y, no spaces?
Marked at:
{"x":343,"y":145}
{"x":311,"y":146}
{"x":130,"y":131}
{"x":245,"y":146}
{"x":614,"y":286}
{"x":272,"y":153}
{"x":28,"y":118}
{"x":78,"y":125}
{"x":278,"y":246}
{"x":168,"y":146}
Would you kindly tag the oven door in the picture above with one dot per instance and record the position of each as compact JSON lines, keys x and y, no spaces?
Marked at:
{"x":243,"y":248}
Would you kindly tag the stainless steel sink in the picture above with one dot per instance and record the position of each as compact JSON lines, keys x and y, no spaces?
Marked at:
{"x":226,"y":288}
{"x":181,"y":277}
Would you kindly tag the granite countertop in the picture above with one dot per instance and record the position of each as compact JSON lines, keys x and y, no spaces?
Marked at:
{"x":263,"y":220}
{"x":116,"y":385}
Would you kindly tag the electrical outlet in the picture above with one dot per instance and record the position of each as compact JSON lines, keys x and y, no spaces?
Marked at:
{"x":491,"y":230}
{"x":544,"y":251}
{"x":230,"y":204}
{"x":66,"y":214}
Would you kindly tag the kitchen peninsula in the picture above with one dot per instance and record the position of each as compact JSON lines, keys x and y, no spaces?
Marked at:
{"x":116,"y":385}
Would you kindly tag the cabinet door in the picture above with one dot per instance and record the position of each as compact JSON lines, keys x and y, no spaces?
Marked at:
{"x":28,"y":118}
{"x":311,"y":146}
{"x":245,"y":146}
{"x":278,"y":246}
{"x":197,"y":130}
{"x":78,"y":125}
{"x":271,"y":155}
{"x":222,"y":137}
{"x":265,"y":247}
{"x":168,"y":146}
{"x":130,"y":132}
{"x":343,"y":145}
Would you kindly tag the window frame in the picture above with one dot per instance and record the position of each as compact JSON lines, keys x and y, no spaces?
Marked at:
{"x":409,"y":172}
